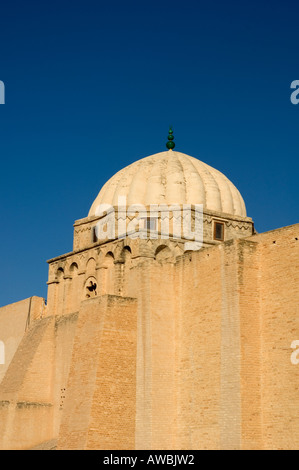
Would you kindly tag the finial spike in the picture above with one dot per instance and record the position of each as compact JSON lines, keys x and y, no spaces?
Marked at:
{"x":170,"y":144}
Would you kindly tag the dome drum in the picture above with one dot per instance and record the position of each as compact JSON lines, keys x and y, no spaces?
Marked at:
{"x":160,"y":187}
{"x":151,"y":225}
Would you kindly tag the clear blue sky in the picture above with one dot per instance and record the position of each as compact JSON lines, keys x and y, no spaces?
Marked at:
{"x":92,"y":86}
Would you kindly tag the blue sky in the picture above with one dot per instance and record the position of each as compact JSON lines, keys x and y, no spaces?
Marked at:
{"x":93,"y":86}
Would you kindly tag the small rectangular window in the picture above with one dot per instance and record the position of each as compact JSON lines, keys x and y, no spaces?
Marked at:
{"x":150,"y":223}
{"x":218,"y":231}
{"x":94,"y":235}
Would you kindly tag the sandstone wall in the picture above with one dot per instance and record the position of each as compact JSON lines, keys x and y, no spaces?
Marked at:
{"x":171,"y":351}
{"x":99,"y":411}
{"x":280,"y":327}
{"x":32,"y":390}
{"x":14,"y":320}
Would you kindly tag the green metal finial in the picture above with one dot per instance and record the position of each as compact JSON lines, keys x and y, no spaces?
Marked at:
{"x":170,"y":144}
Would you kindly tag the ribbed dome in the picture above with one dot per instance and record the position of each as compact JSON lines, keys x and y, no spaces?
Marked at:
{"x":172,"y":178}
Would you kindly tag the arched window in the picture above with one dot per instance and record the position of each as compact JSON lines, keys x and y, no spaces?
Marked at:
{"x":91,"y":266}
{"x":163,"y":252}
{"x":109,"y":259}
{"x":126,"y":254}
{"x":2,"y":353}
{"x":60,"y":273}
{"x":109,"y":274}
{"x":73,"y":268}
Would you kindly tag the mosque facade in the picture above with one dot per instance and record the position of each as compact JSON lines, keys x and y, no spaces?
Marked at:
{"x":172,"y":324}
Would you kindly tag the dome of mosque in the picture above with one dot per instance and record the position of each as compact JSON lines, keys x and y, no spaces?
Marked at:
{"x":172,"y":177}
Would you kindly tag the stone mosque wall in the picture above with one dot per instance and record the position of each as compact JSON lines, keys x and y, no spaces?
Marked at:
{"x":169,"y":350}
